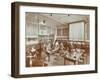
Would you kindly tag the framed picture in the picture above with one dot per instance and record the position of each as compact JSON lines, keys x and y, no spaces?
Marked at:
{"x":53,"y":39}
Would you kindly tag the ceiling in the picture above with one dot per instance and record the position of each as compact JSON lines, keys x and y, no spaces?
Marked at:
{"x":54,"y":19}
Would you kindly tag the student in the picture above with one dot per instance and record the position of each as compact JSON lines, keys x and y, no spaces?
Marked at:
{"x":56,"y":47}
{"x":61,"y":48}
{"x":39,"y":49}
{"x":48,"y":49}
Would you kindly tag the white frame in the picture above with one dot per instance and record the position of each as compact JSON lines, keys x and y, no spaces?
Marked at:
{"x":70,"y":68}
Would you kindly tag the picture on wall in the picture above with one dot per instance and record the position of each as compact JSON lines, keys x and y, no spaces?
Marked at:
{"x":53,"y":39}
{"x":56,"y":39}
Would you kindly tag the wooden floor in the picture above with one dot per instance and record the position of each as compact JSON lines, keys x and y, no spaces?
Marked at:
{"x":54,"y":60}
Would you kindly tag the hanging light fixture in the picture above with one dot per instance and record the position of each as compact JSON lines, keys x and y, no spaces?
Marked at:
{"x":51,"y":14}
{"x":68,"y":14}
{"x":43,"y":22}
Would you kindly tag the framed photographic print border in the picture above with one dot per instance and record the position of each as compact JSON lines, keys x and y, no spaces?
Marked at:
{"x":15,"y":39}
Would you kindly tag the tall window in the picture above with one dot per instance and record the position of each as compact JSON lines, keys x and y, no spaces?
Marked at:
{"x":76,"y":31}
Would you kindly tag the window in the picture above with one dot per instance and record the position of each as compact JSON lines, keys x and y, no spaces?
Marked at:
{"x":76,"y":31}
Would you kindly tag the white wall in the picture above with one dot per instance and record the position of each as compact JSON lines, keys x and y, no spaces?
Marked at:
{"x":5,"y":40}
